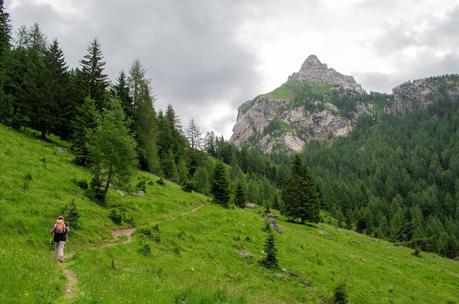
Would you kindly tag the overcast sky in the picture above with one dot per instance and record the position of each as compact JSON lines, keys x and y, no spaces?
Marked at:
{"x":206,"y":57}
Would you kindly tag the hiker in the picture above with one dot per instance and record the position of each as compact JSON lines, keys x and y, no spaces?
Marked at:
{"x":60,"y":231}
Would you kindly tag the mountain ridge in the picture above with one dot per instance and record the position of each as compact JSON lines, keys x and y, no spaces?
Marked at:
{"x":319,"y":103}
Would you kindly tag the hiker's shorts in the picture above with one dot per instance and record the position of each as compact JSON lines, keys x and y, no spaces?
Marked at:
{"x":59,"y":250}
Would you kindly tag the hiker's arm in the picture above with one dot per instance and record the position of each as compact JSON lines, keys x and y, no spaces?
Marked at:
{"x":51,"y":230}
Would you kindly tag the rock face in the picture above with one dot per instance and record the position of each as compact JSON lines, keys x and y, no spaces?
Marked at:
{"x":316,"y":72}
{"x":418,"y":94}
{"x":318,"y":103}
{"x":274,"y":124}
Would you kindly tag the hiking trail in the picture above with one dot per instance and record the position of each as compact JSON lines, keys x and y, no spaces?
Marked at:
{"x":72,"y":281}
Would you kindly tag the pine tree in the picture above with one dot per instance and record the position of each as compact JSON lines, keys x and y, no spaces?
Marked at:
{"x":121,"y":91}
{"x":83,"y":124}
{"x":59,"y":82}
{"x":6,"y":108}
{"x":94,"y":81}
{"x":112,"y":151}
{"x":270,"y":260}
{"x":220,"y":186}
{"x":145,"y":121}
{"x":39,"y":108}
{"x":201,"y":180}
{"x":239,"y":196}
{"x":210,"y":143}
{"x":194,"y":136}
{"x":299,"y":195}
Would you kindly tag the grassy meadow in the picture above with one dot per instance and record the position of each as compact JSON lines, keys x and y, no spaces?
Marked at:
{"x":178,"y":256}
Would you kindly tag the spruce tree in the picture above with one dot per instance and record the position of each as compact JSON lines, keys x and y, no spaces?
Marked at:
{"x":239,"y":196}
{"x":39,"y":108}
{"x":94,"y":81}
{"x":83,"y":124}
{"x":112,"y":151}
{"x":270,"y":260}
{"x":299,"y":195}
{"x":121,"y":91}
{"x":145,"y":121}
{"x":59,"y":82}
{"x":220,"y":186}
{"x":6,"y":108}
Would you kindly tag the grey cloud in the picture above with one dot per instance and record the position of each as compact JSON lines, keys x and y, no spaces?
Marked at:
{"x":425,"y":65}
{"x":189,"y":48}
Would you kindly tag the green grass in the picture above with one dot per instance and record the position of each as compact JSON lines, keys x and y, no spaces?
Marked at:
{"x":192,"y":258}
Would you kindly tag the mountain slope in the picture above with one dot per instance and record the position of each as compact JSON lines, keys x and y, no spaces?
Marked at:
{"x":315,"y":103}
{"x":197,"y":257}
{"x":318,"y":103}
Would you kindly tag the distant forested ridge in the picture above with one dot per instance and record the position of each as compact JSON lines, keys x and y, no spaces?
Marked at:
{"x":396,"y":177}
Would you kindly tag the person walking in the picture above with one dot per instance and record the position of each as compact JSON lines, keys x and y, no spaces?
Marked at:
{"x":60,"y":230}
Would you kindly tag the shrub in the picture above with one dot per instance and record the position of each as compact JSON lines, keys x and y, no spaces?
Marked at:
{"x":340,"y":297}
{"x":71,"y":214}
{"x":145,"y":250}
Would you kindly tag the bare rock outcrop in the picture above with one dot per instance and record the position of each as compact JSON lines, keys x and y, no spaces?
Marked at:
{"x":314,"y":71}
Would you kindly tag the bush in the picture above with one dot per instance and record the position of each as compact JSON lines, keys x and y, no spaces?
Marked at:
{"x":116,"y":216}
{"x":188,"y":186}
{"x":120,"y":215}
{"x":83,"y":184}
{"x":340,"y":296}
{"x":71,"y":214}
{"x":145,"y":250}
{"x":161,"y":181}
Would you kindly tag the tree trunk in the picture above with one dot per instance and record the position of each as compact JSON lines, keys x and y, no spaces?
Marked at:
{"x":109,"y":179}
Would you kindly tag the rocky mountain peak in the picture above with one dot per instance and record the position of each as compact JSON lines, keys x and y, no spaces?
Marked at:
{"x":314,"y":71}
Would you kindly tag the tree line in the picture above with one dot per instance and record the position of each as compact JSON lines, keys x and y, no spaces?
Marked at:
{"x":114,"y":128}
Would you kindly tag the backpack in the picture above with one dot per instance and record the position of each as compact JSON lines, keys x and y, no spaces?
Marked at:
{"x":59,"y":228}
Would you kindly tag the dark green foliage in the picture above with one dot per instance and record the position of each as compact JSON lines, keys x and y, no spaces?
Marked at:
{"x":83,"y":125}
{"x":220,"y":186}
{"x":93,"y":80}
{"x":5,"y":39}
{"x":71,"y":214}
{"x":120,"y":215}
{"x":340,"y":296}
{"x":397,"y":179}
{"x":145,"y":122}
{"x":145,"y":250}
{"x":270,"y":260}
{"x":83,"y":184}
{"x":239,"y":196}
{"x":121,"y":92}
{"x":161,"y":181}
{"x":60,"y":90}
{"x":299,"y":195}
{"x":189,"y":186}
{"x":112,"y":151}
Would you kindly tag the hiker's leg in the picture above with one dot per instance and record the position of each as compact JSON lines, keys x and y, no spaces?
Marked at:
{"x":61,"y":251}
{"x":56,"y":250}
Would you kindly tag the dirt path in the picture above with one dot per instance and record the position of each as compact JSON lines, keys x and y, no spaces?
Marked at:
{"x":72,"y":280}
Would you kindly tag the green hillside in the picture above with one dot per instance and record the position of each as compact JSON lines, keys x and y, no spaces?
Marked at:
{"x":198,"y":252}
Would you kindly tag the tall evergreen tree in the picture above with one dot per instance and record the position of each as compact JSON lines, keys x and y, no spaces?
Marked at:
{"x":121,"y":92}
{"x":220,"y":185}
{"x":299,"y":195}
{"x":39,"y":108}
{"x":6,"y":107}
{"x":239,"y":196}
{"x":94,"y":81}
{"x":145,"y":121}
{"x":194,"y":135}
{"x":59,"y":82}
{"x":83,"y":124}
